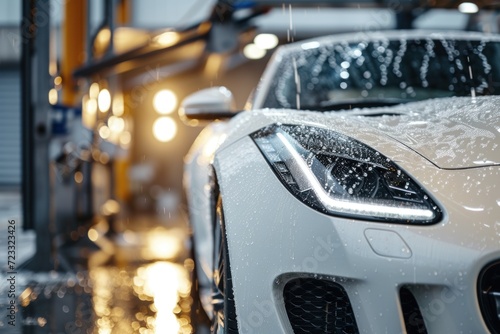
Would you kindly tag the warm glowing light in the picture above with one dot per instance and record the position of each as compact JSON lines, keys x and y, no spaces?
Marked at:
{"x":93,"y":234}
{"x":166,"y":283}
{"x":102,"y":40}
{"x":118,"y":105}
{"x":101,"y":298}
{"x":104,"y":158}
{"x":78,"y":177}
{"x":104,"y":100}
{"x":57,"y":81}
{"x":53,"y":96}
{"x":52,"y":67}
{"x":167,"y":38}
{"x":129,"y":237}
{"x":111,"y":207}
{"x":252,"y":51}
{"x":468,"y":8}
{"x":162,"y":244}
{"x":164,"y":101}
{"x":213,"y":65}
{"x":104,"y":132}
{"x":161,"y":291}
{"x":104,"y":35}
{"x":164,"y":129}
{"x":125,"y":138}
{"x":91,"y":106}
{"x":116,"y":124}
{"x":94,"y":90}
{"x":266,"y":41}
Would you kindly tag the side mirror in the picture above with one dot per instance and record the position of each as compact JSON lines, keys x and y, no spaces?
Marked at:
{"x":208,"y":104}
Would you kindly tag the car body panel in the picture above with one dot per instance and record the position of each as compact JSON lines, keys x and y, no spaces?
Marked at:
{"x":262,"y":216}
{"x":198,"y":183}
{"x":452,"y":133}
{"x":449,"y":132}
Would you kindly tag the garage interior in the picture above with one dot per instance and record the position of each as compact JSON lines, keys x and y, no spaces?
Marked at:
{"x":92,"y":152}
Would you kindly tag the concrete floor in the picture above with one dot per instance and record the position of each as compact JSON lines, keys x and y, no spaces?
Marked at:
{"x":136,"y":280}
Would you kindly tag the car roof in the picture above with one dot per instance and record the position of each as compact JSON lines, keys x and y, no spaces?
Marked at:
{"x":367,"y":36}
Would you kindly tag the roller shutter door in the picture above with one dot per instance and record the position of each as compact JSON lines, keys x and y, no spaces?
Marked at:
{"x":10,"y":127}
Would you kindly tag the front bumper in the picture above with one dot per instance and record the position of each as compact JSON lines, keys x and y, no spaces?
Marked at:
{"x":274,"y":238}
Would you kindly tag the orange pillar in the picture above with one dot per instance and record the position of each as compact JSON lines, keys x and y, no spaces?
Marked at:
{"x":73,"y":47}
{"x":123,"y":12}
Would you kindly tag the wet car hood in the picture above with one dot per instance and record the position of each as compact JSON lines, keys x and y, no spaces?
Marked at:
{"x":452,"y":133}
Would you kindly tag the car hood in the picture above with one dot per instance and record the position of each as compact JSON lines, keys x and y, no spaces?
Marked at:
{"x":452,"y":133}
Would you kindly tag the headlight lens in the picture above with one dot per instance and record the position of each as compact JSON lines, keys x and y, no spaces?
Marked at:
{"x":338,"y":175}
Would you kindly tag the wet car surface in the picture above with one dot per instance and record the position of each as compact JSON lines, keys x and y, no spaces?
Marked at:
{"x":357,"y":192}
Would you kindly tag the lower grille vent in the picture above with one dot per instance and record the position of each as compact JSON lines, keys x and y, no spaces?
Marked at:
{"x":414,"y":321}
{"x":318,"y":306}
{"x":489,"y":296}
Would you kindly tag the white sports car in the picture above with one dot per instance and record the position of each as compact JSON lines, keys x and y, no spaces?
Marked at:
{"x":359,"y":193}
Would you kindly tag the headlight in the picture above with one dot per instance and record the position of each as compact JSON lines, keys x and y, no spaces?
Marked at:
{"x":341,"y":176}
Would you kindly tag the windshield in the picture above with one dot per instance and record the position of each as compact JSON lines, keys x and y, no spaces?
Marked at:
{"x":383,"y":72}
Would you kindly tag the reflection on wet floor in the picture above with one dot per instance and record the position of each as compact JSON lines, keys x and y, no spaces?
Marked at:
{"x":153,"y":298}
{"x":137,"y":282}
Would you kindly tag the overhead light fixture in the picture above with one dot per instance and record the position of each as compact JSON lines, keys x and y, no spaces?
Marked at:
{"x":266,"y":41}
{"x":468,"y":8}
{"x":164,"y":129}
{"x":164,"y":101}
{"x":252,"y":51}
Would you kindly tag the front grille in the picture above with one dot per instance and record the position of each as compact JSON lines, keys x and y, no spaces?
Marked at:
{"x":489,"y":296}
{"x":318,"y":306}
{"x":414,"y":321}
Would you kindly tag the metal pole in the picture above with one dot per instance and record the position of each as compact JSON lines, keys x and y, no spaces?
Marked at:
{"x":38,"y":128}
{"x":109,"y":13}
{"x":26,"y":107}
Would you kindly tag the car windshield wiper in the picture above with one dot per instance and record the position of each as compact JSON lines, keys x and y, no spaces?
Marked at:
{"x":347,"y":104}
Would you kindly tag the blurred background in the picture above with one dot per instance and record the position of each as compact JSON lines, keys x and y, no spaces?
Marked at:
{"x":92,"y":147}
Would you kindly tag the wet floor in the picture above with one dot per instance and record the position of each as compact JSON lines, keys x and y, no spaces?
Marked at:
{"x":136,"y":280}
